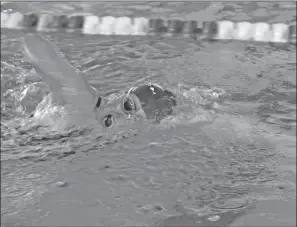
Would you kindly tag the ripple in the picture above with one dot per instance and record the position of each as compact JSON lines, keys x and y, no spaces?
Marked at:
{"x":219,"y":154}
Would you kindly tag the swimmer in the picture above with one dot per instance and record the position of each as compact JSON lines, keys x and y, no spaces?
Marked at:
{"x":149,"y":101}
{"x":69,"y":87}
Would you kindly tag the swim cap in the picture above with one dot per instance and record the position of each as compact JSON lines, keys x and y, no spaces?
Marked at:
{"x":156,"y":102}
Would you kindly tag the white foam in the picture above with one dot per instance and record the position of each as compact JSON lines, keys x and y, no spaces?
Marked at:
{"x":43,"y":23}
{"x":261,"y":32}
{"x":243,"y":31}
{"x":280,"y":33}
{"x":123,"y":26}
{"x":107,"y":25}
{"x":225,"y":30}
{"x":14,"y":21}
{"x":91,"y":25}
{"x":4,"y":18}
{"x":141,"y":26}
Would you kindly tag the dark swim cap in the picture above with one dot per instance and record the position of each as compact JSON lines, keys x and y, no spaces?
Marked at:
{"x":156,"y":102}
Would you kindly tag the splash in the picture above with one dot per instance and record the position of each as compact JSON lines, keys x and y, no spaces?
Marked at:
{"x":196,"y":104}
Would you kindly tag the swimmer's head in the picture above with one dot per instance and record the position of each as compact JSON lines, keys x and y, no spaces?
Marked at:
{"x":124,"y":107}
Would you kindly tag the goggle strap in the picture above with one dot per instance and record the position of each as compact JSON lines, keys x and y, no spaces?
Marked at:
{"x":131,"y":90}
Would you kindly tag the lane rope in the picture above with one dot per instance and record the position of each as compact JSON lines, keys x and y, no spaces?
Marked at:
{"x":141,"y":26}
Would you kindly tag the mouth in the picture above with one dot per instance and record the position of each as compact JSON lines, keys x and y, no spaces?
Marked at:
{"x":112,"y":116}
{"x":108,"y":120}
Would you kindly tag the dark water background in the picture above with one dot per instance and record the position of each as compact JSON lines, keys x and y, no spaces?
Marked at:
{"x":230,"y":147}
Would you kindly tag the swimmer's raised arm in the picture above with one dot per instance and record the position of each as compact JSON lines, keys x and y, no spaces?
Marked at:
{"x":68,"y":86}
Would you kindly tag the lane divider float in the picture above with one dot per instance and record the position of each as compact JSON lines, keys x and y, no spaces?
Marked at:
{"x":141,"y":26}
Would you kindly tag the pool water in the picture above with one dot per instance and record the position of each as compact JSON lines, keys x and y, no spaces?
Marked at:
{"x":227,"y":155}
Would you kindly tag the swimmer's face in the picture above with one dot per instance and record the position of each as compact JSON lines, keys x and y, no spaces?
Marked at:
{"x":120,"y":109}
{"x":109,"y":113}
